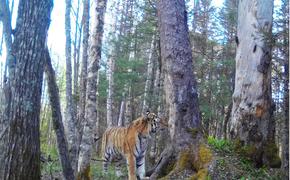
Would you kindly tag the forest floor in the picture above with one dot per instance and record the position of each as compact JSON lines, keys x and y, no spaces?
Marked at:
{"x":226,"y":164}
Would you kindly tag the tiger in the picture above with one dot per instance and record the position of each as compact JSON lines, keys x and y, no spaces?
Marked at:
{"x":130,"y":143}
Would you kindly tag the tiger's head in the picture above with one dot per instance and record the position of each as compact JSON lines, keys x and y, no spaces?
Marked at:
{"x":153,"y":121}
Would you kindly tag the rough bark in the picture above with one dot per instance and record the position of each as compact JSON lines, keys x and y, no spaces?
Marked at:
{"x":180,"y":86}
{"x":62,"y":145}
{"x":285,"y":132}
{"x":110,"y":90}
{"x":91,"y":109}
{"x":70,"y":125}
{"x":251,"y":118}
{"x":5,"y":17}
{"x":20,"y":157}
{"x":285,"y":135}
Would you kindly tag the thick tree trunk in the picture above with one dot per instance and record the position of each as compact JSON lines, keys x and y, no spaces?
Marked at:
{"x":70,"y":124}
{"x":285,"y":135}
{"x":62,"y":145}
{"x":91,"y":108}
{"x":110,"y":90}
{"x":251,"y":119}
{"x":180,"y":86}
{"x":20,"y":156}
{"x":285,"y":132}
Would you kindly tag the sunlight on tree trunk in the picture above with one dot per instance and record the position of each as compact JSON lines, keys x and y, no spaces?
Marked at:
{"x":70,"y":124}
{"x":91,"y":108}
{"x":251,"y":120}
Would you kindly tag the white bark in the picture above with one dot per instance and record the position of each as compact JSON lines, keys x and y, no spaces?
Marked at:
{"x":148,"y":76}
{"x":251,"y":120}
{"x":91,"y":92}
{"x":121,"y":113}
{"x":110,"y":91}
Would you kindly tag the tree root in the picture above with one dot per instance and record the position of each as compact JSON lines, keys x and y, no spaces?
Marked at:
{"x":164,"y":165}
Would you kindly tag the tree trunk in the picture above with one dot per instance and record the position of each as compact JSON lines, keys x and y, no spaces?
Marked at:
{"x":110,"y":90}
{"x":62,"y":146}
{"x":84,"y":74}
{"x":70,"y":125}
{"x":145,"y":105}
{"x":20,"y":157}
{"x":91,"y":108}
{"x":128,"y":107}
{"x":121,"y":113}
{"x":251,"y":119}
{"x":285,"y":132}
{"x":75,"y":59}
{"x":5,"y":17}
{"x":180,"y":86}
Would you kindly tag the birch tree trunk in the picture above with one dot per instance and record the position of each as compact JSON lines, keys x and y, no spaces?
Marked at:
{"x":75,"y":59}
{"x":84,"y":74}
{"x":62,"y":145}
{"x":145,"y":105}
{"x":121,"y":113}
{"x":251,"y":118}
{"x":91,"y":109}
{"x":180,"y":86}
{"x":20,"y":156}
{"x":110,"y":90}
{"x":70,"y":124}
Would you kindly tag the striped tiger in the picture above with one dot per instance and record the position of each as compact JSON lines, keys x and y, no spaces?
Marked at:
{"x":131,"y":143}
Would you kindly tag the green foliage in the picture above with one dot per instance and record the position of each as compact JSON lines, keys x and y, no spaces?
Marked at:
{"x":97,"y":172}
{"x":220,"y":144}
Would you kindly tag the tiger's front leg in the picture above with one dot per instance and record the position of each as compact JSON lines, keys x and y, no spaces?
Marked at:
{"x":140,"y":163}
{"x":131,"y":165}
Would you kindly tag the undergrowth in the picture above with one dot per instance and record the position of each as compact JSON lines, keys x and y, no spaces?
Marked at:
{"x":230,"y":164}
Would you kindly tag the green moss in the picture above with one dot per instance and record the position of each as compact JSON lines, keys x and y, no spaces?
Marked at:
{"x":202,"y":174}
{"x":85,"y":174}
{"x":204,"y":157}
{"x":184,"y":159}
{"x":271,"y":154}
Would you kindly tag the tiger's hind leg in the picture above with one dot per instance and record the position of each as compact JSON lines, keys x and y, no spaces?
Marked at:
{"x":118,"y":168}
{"x":106,"y":160}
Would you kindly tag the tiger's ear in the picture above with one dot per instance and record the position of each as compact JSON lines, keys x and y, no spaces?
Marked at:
{"x":147,"y":112}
